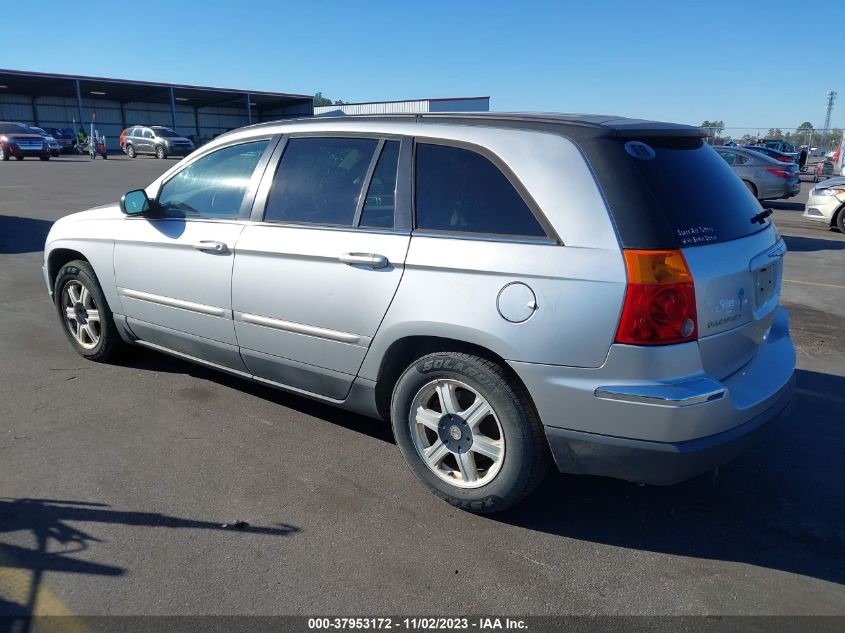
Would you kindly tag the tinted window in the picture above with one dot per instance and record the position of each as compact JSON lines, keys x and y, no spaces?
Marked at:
{"x":319,"y":180}
{"x":214,"y":185}
{"x":380,"y":202}
{"x":692,"y":190}
{"x":460,"y":190}
{"x":165,"y":132}
{"x":148,"y":134}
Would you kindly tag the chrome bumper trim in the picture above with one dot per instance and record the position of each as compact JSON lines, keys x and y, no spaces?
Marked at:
{"x":681,"y":394}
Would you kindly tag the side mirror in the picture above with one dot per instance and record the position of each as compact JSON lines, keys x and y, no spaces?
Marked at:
{"x":135,"y":202}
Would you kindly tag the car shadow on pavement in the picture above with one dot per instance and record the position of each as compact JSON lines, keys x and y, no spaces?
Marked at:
{"x":140,"y":358}
{"x":799,"y":244}
{"x":36,"y":537}
{"x":779,"y":506}
{"x":22,"y":235}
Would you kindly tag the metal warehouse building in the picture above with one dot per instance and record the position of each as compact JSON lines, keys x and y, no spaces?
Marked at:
{"x":51,"y":100}
{"x":454,"y":104}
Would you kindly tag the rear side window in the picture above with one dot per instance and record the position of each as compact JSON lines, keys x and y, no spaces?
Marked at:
{"x":319,"y":180}
{"x":460,"y":190}
{"x":687,"y":191}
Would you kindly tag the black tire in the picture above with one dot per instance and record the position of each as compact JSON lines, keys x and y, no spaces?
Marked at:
{"x":840,"y":219}
{"x":44,"y":158}
{"x":526,"y":453}
{"x":110,"y":344}
{"x":4,"y":155}
{"x":161,"y":153}
{"x":751,"y":187}
{"x":130,"y":151}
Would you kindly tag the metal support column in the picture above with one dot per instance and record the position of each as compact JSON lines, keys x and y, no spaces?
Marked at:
{"x":248,"y":110}
{"x":78,"y":104}
{"x":122,"y":116}
{"x":197,"y":120}
{"x":173,"y":107}
{"x":34,"y":112}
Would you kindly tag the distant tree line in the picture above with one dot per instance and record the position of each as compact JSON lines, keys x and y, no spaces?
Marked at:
{"x":320,"y":100}
{"x":800,"y":135}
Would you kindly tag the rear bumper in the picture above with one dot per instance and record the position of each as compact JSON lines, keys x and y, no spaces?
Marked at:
{"x":659,"y":463}
{"x":654,"y":415}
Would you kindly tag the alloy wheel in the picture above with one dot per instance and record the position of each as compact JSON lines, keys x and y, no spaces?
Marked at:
{"x":81,"y":314}
{"x":456,"y":433}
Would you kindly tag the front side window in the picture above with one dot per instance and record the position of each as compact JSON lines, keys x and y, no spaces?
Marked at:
{"x":460,"y":190}
{"x":319,"y":180}
{"x":212,"y":187}
{"x":148,"y":134}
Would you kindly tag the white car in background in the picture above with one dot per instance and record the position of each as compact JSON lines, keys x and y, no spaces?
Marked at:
{"x":827,"y":203}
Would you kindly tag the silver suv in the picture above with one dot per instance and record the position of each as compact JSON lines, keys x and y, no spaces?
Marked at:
{"x":507,"y":290}
{"x":157,"y":140}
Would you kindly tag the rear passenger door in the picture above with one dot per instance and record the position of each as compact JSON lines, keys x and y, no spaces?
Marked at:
{"x":314,"y":277}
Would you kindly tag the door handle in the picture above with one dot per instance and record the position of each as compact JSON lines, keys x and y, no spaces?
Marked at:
{"x":211,"y":246}
{"x":367,"y":259}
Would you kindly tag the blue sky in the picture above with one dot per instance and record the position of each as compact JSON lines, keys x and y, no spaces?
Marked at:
{"x":746,"y":63}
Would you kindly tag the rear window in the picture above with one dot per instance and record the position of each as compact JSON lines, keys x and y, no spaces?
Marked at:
{"x":684,"y":190}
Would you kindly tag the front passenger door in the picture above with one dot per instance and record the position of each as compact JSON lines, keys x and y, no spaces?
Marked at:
{"x":174,"y":271}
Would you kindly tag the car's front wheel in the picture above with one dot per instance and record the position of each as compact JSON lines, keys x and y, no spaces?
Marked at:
{"x":468,"y":431}
{"x":160,"y":153}
{"x":84,"y":313}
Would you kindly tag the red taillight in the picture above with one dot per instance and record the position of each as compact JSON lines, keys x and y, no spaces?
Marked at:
{"x":780,"y":173}
{"x":660,"y":300}
{"x":785,"y":159}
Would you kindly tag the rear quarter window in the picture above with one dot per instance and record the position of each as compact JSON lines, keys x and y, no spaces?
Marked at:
{"x":459,"y":190}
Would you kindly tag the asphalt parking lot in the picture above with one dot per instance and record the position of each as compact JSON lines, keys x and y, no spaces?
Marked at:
{"x":116,"y":481}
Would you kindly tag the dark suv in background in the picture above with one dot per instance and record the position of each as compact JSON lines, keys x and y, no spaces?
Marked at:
{"x":157,"y":140}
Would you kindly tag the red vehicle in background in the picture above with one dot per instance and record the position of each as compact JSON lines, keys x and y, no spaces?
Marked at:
{"x":123,"y":138}
{"x":20,"y":142}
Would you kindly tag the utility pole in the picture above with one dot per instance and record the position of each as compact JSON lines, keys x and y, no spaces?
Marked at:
{"x":831,"y":97}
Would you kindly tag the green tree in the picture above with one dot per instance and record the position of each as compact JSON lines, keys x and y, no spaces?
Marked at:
{"x":774,"y":132}
{"x":806,"y":126}
{"x":747,"y":139}
{"x":320,"y":100}
{"x":714,"y":128}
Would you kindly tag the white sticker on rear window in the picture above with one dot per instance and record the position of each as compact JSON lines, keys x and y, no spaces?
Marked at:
{"x":697,"y":235}
{"x":640,"y":150}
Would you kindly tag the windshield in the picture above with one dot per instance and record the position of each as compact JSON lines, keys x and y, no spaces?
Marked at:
{"x":14,"y":128}
{"x":164,"y":132}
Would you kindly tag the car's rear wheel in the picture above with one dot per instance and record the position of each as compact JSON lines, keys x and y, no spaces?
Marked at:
{"x":468,"y":431}
{"x":130,"y":151}
{"x":840,"y":219}
{"x":85,"y":314}
{"x":751,"y":187}
{"x":4,"y":155}
{"x":160,"y":153}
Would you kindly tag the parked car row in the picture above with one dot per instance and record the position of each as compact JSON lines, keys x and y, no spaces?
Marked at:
{"x":766,"y":177}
